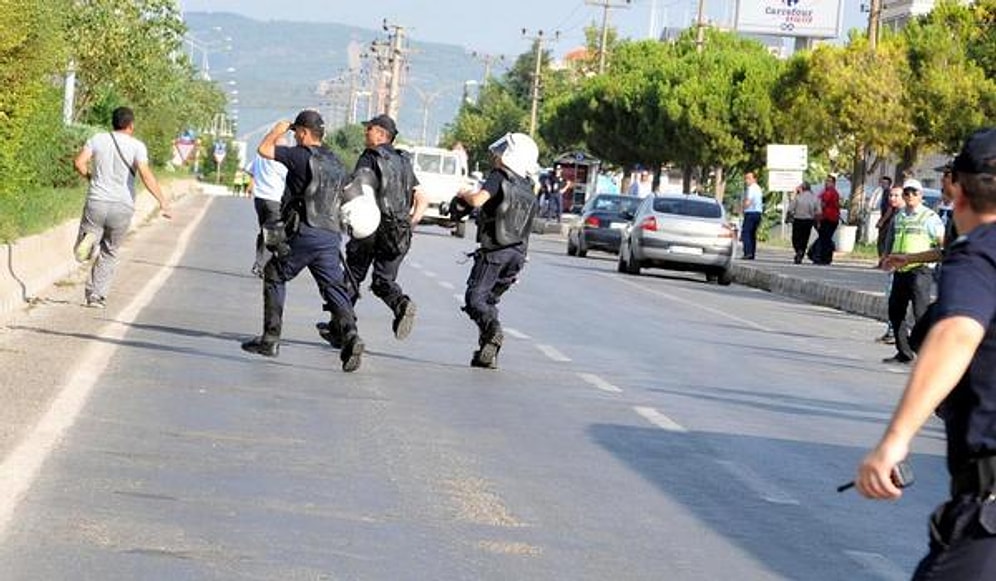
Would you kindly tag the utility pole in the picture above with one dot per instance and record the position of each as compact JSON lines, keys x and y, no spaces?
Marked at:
{"x":537,"y":39}
{"x":700,"y":27}
{"x":488,"y":60}
{"x":606,"y":6}
{"x":874,"y":16}
{"x":396,"y":59}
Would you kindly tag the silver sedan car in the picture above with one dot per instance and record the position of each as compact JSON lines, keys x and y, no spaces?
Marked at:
{"x":679,"y":232}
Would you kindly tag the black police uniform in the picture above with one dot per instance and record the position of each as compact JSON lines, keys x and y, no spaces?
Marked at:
{"x":313,"y":244}
{"x":386,"y":249}
{"x":963,"y":530}
{"x":503,"y":227}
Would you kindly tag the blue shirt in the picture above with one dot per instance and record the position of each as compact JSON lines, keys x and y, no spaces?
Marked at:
{"x":755,"y":199}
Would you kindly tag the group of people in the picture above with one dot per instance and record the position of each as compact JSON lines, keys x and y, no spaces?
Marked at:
{"x":820,"y":211}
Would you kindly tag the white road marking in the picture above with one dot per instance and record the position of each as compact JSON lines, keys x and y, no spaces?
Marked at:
{"x":767,"y":490}
{"x":458,"y":297}
{"x":693,"y":304}
{"x":658,"y":419}
{"x":879,"y":566}
{"x":430,"y":274}
{"x":19,"y":470}
{"x":516,"y":334}
{"x":416,"y":265}
{"x":446,"y":285}
{"x":553,"y":354}
{"x":599,"y":382}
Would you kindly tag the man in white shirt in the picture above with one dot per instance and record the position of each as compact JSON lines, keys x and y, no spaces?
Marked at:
{"x":266,"y":186}
{"x":110,"y":201}
{"x":643,"y":186}
{"x":753,"y":208}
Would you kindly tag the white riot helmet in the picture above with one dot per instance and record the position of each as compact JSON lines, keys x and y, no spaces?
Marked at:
{"x":518,"y":153}
{"x":360,"y":213}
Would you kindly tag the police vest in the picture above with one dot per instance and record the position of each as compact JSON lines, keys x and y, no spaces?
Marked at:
{"x":912,"y":234}
{"x":323,"y":195}
{"x":514,"y":214}
{"x":397,"y":180}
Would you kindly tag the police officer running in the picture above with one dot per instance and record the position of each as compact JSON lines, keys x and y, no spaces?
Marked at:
{"x":507,"y":208}
{"x":309,"y":234}
{"x":955,"y":374}
{"x":401,"y":207}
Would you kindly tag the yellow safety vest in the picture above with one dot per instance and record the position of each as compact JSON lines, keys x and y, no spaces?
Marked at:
{"x":912,"y":235}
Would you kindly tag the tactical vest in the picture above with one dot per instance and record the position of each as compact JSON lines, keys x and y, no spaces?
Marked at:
{"x":323,"y":195}
{"x":397,"y":181}
{"x":912,"y":234}
{"x":513,"y":217}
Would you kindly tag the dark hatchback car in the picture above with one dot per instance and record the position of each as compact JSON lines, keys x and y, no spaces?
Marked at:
{"x":602,"y":223}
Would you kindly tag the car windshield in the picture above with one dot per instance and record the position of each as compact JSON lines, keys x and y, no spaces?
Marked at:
{"x":688,"y":207}
{"x":617,"y":204}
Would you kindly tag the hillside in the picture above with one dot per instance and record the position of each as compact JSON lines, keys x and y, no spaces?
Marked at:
{"x":279,"y":65}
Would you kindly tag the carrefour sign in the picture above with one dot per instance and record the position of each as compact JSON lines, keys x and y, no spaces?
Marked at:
{"x":805,"y":18}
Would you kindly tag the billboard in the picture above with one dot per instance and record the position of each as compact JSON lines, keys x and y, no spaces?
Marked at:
{"x":803,"y":18}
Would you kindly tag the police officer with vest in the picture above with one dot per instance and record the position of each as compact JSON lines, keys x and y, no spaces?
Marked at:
{"x":507,"y":208}
{"x":309,"y":234}
{"x":916,"y":229}
{"x":955,"y":374}
{"x":401,"y":207}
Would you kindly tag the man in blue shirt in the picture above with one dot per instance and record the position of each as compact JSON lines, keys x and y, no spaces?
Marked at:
{"x":955,"y":374}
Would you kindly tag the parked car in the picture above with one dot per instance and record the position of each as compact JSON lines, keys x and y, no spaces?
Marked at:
{"x":601,"y":225}
{"x":679,"y":232}
{"x":441,"y":174}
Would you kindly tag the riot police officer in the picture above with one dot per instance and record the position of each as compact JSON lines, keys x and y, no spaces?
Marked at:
{"x":401,"y":207}
{"x":309,"y":234}
{"x":507,"y":208}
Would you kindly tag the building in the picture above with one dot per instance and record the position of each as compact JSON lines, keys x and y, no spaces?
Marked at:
{"x":896,"y":13}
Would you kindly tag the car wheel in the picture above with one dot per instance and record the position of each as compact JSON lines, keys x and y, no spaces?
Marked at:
{"x":572,"y":249}
{"x":461,"y":230}
{"x":582,"y":251}
{"x":632,"y":264}
{"x":725,"y":277}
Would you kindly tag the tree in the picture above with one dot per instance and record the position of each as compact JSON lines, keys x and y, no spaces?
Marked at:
{"x":477,"y":125}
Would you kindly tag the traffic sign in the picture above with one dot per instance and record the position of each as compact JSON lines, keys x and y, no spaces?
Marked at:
{"x":794,"y":157}
{"x":780,"y":180}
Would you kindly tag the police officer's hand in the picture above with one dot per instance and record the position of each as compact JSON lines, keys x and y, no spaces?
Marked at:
{"x":874,"y":478}
{"x":282,"y":126}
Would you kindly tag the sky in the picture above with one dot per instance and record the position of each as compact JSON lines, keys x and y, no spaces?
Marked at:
{"x":495,"y":27}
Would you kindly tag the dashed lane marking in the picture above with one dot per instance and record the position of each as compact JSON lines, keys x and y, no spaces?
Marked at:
{"x":658,"y":419}
{"x":767,"y":490}
{"x":19,"y":470}
{"x":446,"y":285}
{"x":516,"y":334}
{"x":430,"y":274}
{"x":416,"y":265}
{"x":599,"y":382}
{"x":551,"y":352}
{"x":878,"y":565}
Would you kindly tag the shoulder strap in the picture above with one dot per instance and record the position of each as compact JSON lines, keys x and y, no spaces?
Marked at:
{"x":131,"y":168}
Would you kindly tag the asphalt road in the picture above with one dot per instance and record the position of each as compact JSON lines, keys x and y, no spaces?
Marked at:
{"x":651,"y":427}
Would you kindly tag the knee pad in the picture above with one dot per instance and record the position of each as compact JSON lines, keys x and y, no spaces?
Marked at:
{"x":271,"y":272}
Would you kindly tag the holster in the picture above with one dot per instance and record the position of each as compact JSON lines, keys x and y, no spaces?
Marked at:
{"x":977,"y":478}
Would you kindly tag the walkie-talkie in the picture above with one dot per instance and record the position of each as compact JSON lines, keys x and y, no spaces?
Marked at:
{"x":902,"y":477}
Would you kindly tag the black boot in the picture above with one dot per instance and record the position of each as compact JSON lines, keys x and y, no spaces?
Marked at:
{"x":261,"y":346}
{"x":490,"y":344}
{"x":331,"y":333}
{"x":352,"y":352}
{"x":404,"y":319}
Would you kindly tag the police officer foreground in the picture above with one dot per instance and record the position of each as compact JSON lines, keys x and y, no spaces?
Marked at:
{"x":315,"y":212}
{"x":955,"y":374}
{"x":507,"y":209}
{"x":401,"y":207}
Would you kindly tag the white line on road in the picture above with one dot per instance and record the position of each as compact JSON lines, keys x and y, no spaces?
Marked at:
{"x":416,"y":265}
{"x":553,"y":354}
{"x":515,"y":333}
{"x":458,"y":297}
{"x":878,"y":565}
{"x":446,"y":285}
{"x":430,"y":274}
{"x":767,"y":490}
{"x":599,"y":382}
{"x":693,"y":304}
{"x":19,"y":470}
{"x":660,"y":420}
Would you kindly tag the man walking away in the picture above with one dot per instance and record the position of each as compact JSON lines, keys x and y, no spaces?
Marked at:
{"x":804,"y":208}
{"x":956,"y":376}
{"x":753,"y":209}
{"x":827,"y":221}
{"x":110,"y":200}
{"x":266,"y":186}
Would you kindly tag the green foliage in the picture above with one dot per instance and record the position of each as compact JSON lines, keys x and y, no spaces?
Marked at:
{"x":348,"y":142}
{"x":479,"y":124}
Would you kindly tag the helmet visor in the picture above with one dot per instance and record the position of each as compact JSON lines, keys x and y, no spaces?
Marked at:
{"x":501,"y":145}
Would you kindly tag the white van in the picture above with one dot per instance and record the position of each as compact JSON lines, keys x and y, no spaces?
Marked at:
{"x":441,"y":174}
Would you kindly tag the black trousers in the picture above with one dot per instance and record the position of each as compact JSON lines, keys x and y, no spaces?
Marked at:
{"x":267,"y":213}
{"x":493,"y":274}
{"x":909,"y":286}
{"x":823,"y":253}
{"x":962,"y":542}
{"x":801,"y":228}
{"x":752,"y":221}
{"x":360,"y":256}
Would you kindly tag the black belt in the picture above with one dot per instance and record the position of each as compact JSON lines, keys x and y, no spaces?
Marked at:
{"x":977,"y":478}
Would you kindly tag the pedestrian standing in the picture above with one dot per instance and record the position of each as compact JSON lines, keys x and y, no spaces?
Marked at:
{"x":887,"y":209}
{"x":804,"y":209}
{"x":559,"y":186}
{"x":308,"y":236}
{"x":887,"y":261}
{"x":401,"y":206}
{"x":916,"y":229}
{"x":827,"y":221}
{"x":117,"y":158}
{"x":643,"y":186}
{"x":266,"y":186}
{"x":507,"y":208}
{"x":753,"y":209}
{"x":956,"y":376}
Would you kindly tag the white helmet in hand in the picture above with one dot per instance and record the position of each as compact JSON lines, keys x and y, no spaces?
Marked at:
{"x":360,"y":213}
{"x":518,"y":153}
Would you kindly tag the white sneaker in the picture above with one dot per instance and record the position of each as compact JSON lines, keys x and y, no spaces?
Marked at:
{"x":84,"y":248}
{"x":95,"y":303}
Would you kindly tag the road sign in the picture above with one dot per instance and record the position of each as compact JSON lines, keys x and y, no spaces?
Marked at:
{"x":794,"y":157}
{"x":780,"y":180}
{"x":219,"y":151}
